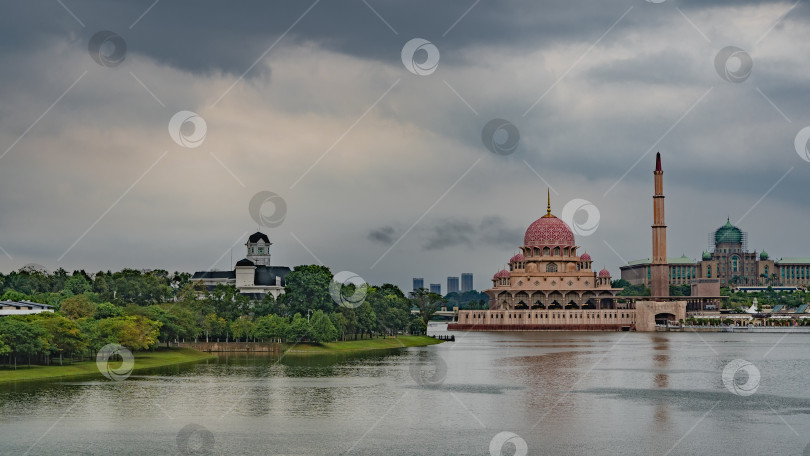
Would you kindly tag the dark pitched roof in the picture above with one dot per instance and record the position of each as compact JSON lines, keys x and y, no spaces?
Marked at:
{"x":266,"y":275}
{"x":258,"y":235}
{"x":244,"y":262}
{"x":26,"y":303}
{"x":199,"y":275}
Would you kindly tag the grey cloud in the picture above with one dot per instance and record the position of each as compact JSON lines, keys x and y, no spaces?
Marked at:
{"x":384,"y":235}
{"x":491,"y":230}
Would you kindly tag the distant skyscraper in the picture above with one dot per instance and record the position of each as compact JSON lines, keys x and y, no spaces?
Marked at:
{"x":436,"y":288}
{"x":466,"y":281}
{"x":452,"y":285}
{"x":418,"y":283}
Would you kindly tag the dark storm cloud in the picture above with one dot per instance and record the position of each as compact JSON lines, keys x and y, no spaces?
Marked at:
{"x":605,"y":105}
{"x":385,"y":235}
{"x":205,"y":36}
{"x":491,"y":230}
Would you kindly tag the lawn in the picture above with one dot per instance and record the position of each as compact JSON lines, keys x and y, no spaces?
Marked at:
{"x":363,"y":344}
{"x":143,"y":360}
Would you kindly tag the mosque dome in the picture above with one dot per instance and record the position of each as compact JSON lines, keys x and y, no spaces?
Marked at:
{"x":585,"y":257}
{"x":548,"y":231}
{"x":728,"y":233}
{"x":503,"y":273}
{"x":763,"y":256}
{"x":707,"y":256}
{"x":519,"y":258}
{"x":604,"y":273}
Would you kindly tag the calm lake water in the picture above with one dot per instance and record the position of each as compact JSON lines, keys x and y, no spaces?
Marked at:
{"x":560,"y":393}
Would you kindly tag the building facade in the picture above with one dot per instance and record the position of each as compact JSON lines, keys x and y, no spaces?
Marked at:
{"x":436,"y":288}
{"x":452,"y":285}
{"x":23,"y":308}
{"x":253,"y":275}
{"x":466,"y":282}
{"x":729,"y":261}
{"x":418,"y":283}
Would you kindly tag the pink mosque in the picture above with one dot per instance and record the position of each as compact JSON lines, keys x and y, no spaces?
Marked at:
{"x":549,"y":286}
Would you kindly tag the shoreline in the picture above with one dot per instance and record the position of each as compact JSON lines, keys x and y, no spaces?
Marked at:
{"x":360,"y":345}
{"x":143,"y":361}
{"x":275,"y":348}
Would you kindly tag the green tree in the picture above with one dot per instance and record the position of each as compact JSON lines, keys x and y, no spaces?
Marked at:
{"x":78,"y":306}
{"x":266,"y":306}
{"x":214,"y":325}
{"x":322,"y":328}
{"x":417,"y":326}
{"x":307,"y":287}
{"x":299,"y":329}
{"x":134,"y":332}
{"x":13,"y":295}
{"x":107,"y":310}
{"x":271,"y":327}
{"x":366,"y":319}
{"x":242,"y":327}
{"x":427,"y":303}
{"x":77,"y":284}
{"x":62,"y":334}
{"x":23,"y":337}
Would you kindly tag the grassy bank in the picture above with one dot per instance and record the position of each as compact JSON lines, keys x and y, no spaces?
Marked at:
{"x":143,"y":360}
{"x":359,"y":345}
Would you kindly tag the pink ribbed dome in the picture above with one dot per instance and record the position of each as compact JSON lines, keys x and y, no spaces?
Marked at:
{"x":585,"y":257}
{"x":604,"y":273}
{"x":548,"y":231}
{"x":518,"y":257}
{"x":503,"y":273}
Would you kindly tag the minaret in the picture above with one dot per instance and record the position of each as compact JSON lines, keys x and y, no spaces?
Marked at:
{"x":659,"y":270}
{"x":548,"y":204}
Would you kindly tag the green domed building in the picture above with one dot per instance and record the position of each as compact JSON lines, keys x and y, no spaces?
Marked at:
{"x":728,"y":261}
{"x":728,"y":234}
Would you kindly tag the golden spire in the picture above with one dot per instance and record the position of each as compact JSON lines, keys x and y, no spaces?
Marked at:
{"x":548,"y":206}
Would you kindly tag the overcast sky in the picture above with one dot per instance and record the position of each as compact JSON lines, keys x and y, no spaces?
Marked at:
{"x":379,"y":158}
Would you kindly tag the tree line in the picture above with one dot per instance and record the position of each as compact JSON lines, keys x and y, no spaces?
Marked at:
{"x":143,"y":309}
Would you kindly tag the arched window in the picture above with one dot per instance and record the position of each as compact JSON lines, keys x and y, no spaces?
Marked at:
{"x":551,"y":267}
{"x":546,"y":251}
{"x":565,"y":251}
{"x":556,"y":251}
{"x":735,"y":266}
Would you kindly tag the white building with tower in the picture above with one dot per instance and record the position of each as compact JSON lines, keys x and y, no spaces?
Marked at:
{"x":253,"y":275}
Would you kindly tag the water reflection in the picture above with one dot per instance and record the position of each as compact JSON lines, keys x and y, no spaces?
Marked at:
{"x":564,"y":393}
{"x":661,"y":379}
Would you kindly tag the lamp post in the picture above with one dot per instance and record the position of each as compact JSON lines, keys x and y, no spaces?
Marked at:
{"x":309,"y":312}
